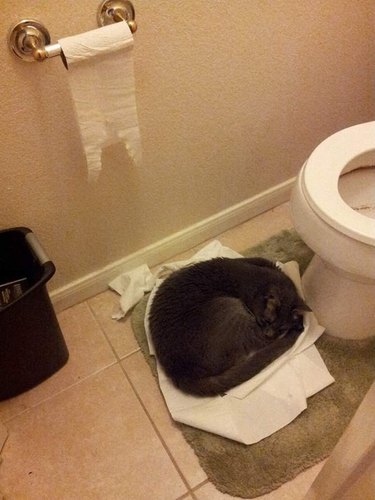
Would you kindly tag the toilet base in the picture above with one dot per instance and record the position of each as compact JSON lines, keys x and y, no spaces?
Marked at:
{"x":343,"y":305}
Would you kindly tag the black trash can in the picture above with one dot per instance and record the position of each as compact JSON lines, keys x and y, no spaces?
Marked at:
{"x":32,"y":346}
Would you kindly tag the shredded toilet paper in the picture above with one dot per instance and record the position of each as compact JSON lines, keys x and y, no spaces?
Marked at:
{"x":262,"y":405}
{"x":101,"y":79}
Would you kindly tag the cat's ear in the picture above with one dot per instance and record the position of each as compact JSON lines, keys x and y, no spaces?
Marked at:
{"x":272,"y":305}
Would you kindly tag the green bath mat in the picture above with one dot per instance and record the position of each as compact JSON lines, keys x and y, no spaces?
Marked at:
{"x":250,"y":471}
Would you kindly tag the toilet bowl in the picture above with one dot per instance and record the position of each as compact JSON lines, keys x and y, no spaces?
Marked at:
{"x":339,"y":283}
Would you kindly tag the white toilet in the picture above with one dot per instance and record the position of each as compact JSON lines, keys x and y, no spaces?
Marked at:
{"x":339,"y":284}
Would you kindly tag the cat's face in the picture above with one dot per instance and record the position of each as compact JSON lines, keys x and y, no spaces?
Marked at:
{"x":281,"y":312}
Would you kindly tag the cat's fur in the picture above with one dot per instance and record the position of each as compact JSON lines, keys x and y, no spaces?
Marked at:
{"x":216,"y":324}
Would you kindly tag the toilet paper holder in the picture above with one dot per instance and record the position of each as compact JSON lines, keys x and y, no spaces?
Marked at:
{"x":30,"y":40}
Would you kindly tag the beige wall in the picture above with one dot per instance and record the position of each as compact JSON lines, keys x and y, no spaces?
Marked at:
{"x":232,"y":96}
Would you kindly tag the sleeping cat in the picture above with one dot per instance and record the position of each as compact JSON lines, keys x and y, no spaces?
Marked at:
{"x":216,"y":324}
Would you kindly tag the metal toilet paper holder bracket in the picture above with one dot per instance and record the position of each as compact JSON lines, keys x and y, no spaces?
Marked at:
{"x":30,"y":40}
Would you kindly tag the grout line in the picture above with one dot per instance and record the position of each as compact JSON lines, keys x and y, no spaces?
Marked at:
{"x":51,"y":396}
{"x":184,"y":496}
{"x":118,"y":358}
{"x":188,"y":495}
{"x":129,"y":354}
{"x":190,"y":489}
{"x":102,"y":330}
{"x":141,"y":402}
{"x":198,"y":486}
{"x":79,"y":380}
{"x":164,"y":444}
{"x":192,"y":494}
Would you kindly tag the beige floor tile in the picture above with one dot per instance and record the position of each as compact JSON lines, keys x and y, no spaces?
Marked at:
{"x":119,"y":333}
{"x":209,"y":492}
{"x":256,"y":230}
{"x":3,"y":436}
{"x":148,"y":390}
{"x":89,"y":352}
{"x":91,"y":441}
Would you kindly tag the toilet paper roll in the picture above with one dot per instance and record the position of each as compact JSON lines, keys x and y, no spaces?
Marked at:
{"x":101,"y":79}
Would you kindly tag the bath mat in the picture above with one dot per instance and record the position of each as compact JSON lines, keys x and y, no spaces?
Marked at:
{"x":250,"y":471}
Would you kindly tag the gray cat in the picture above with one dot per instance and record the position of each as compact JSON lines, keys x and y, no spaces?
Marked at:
{"x":218,"y":323}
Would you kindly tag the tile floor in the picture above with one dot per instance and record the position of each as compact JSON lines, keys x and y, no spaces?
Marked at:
{"x":99,"y":429}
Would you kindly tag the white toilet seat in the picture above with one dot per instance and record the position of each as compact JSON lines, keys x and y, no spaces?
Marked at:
{"x":342,"y":152}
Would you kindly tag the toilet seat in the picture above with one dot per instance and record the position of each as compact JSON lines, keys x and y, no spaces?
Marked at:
{"x":342,"y":152}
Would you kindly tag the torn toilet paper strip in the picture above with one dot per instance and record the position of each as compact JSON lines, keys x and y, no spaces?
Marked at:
{"x":101,"y":79}
{"x":263,"y":404}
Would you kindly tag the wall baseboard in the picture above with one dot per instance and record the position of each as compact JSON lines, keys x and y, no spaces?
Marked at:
{"x":176,"y":243}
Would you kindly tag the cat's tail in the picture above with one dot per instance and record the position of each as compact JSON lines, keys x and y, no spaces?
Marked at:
{"x":246,"y":368}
